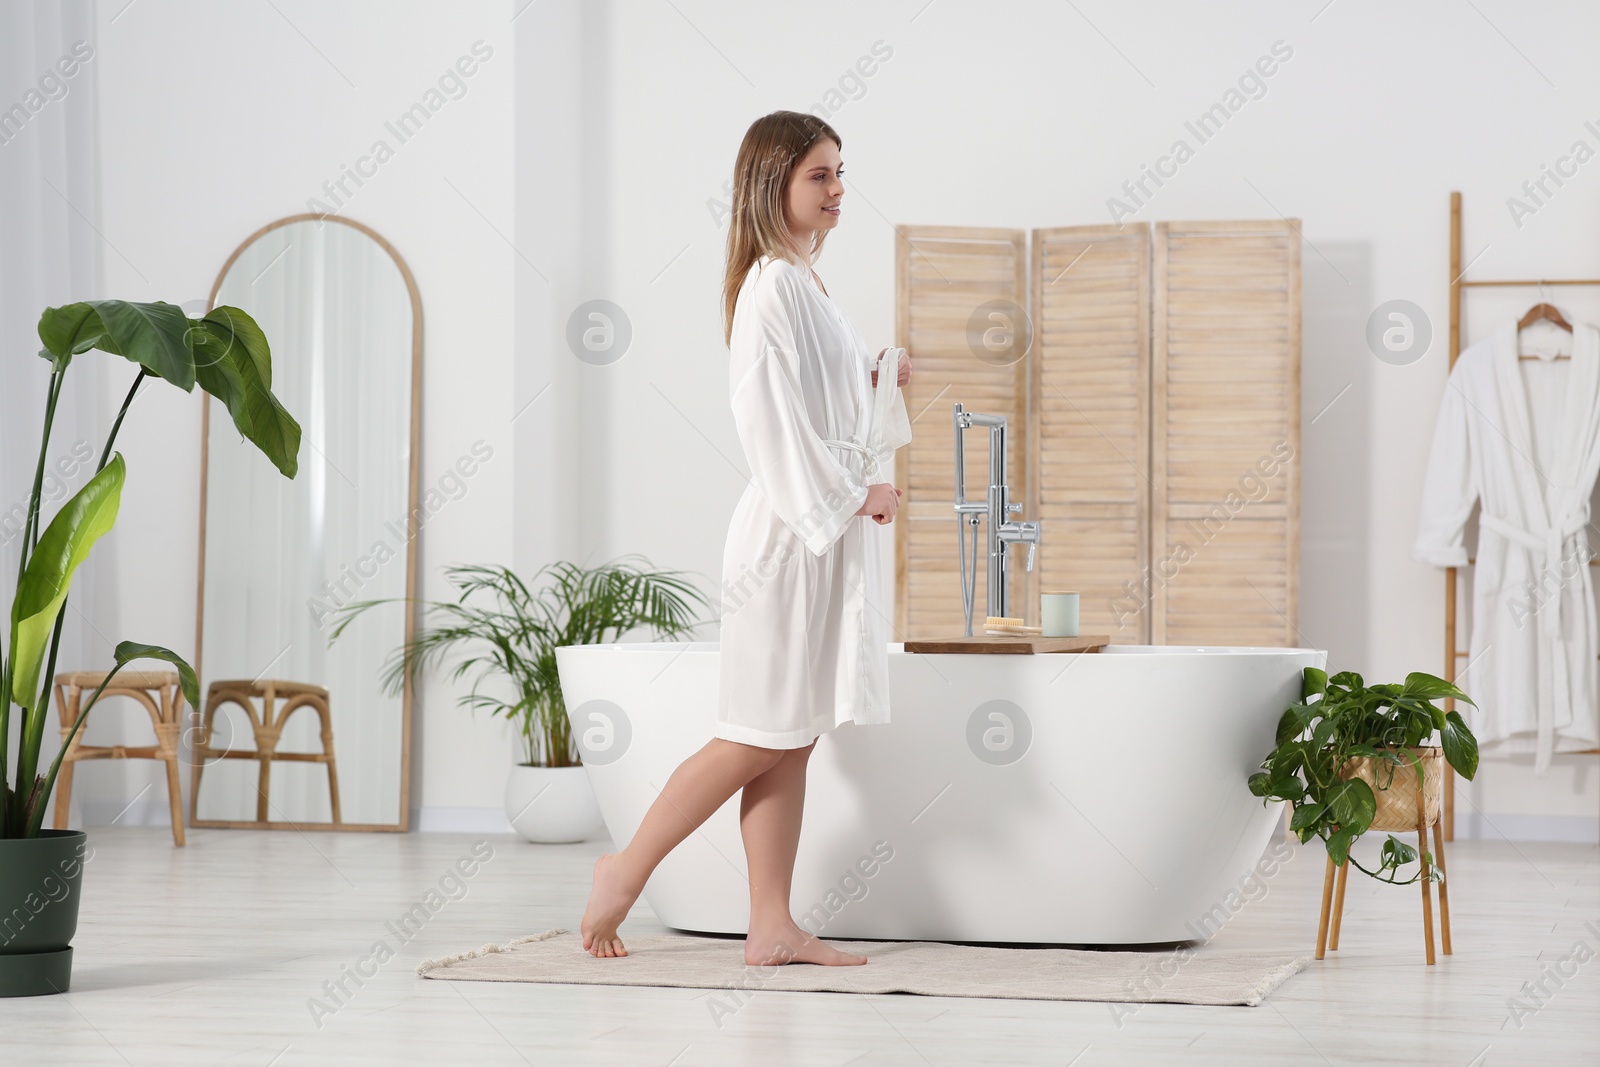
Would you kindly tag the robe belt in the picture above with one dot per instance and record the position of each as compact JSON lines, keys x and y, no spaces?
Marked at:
{"x":1548,"y":542}
{"x":872,"y":464}
{"x":855,"y":604}
{"x":1551,"y":629}
{"x":872,"y":451}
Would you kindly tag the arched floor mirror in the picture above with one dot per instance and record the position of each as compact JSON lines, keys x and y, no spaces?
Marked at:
{"x":341,"y":312}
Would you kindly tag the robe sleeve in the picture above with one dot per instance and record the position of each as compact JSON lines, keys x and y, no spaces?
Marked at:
{"x":1449,"y":488}
{"x":810,"y":490}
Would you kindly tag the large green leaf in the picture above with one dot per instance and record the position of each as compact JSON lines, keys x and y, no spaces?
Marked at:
{"x":1320,"y":736}
{"x":1294,"y":720}
{"x":1288,"y":758}
{"x":240,"y":333}
{"x":1288,"y":787}
{"x":1346,"y":679}
{"x":266,"y":424}
{"x":64,"y":545}
{"x":1305,"y":816}
{"x":1352,"y":803}
{"x":234,"y":364}
{"x":1339,"y":843}
{"x":1314,"y":681}
{"x":153,"y":335}
{"x":226,"y":352}
{"x":128,"y":651}
{"x":1460,"y":747}
{"x":1395,"y":854}
{"x":1435,"y":716}
{"x":68,"y":330}
{"x":1428,"y":687}
{"x":219,"y":376}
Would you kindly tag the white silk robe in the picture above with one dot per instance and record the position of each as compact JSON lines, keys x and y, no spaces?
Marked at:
{"x":1522,"y":438}
{"x":804,"y":623}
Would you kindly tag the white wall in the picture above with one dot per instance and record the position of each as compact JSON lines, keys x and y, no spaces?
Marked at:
{"x":218,"y":118}
{"x":598,"y":162}
{"x":1034,"y":114}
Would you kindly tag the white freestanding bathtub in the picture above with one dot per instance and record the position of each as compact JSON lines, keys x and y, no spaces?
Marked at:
{"x":1091,"y":798}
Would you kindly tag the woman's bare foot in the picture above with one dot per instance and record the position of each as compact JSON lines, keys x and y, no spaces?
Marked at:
{"x":609,"y":900}
{"x":765,"y":946}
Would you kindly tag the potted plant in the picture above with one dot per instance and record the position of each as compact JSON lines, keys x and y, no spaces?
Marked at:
{"x":508,"y":635}
{"x":225,"y":353}
{"x":1346,"y":743}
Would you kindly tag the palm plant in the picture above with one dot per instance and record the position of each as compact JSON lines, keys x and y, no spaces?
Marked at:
{"x":509,"y":633}
{"x":226,"y":354}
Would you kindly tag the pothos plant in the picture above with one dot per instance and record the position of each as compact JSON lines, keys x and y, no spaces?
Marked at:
{"x":1340,"y":719}
{"x":226,"y":354}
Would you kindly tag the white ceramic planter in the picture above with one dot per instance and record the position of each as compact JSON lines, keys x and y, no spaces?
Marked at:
{"x":551,"y":805}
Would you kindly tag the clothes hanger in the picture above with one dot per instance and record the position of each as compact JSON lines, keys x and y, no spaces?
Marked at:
{"x":1543,"y":312}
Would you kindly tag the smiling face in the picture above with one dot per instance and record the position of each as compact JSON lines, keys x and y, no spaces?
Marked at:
{"x":815,"y":190}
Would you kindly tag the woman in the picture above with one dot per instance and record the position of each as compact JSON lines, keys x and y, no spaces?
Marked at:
{"x":803,"y":642}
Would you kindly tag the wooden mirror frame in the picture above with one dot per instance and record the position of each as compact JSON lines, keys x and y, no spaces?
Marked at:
{"x":413,"y":480}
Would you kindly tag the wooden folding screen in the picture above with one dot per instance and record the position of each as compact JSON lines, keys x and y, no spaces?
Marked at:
{"x":960,"y":292}
{"x":1225,"y":433}
{"x":1089,"y":394}
{"x":1154,"y":419}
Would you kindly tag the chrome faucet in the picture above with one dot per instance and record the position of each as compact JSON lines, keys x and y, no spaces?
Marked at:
{"x":1002,"y":532}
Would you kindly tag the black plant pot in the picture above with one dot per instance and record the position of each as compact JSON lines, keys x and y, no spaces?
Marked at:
{"x":40,"y":883}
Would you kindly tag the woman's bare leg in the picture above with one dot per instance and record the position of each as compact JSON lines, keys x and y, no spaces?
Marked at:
{"x":701,"y":784}
{"x":769,"y":818}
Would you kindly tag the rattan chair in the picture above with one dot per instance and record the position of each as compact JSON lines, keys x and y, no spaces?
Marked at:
{"x":161,"y":696}
{"x":267,"y":724}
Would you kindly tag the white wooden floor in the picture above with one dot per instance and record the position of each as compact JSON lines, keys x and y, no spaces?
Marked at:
{"x":210,"y":954}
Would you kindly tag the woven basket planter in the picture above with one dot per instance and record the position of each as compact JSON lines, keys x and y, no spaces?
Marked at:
{"x":1397,"y":804}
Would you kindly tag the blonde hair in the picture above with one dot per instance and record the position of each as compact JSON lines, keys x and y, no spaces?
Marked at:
{"x":771,"y":150}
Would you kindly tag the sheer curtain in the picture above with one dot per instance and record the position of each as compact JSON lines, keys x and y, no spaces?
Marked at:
{"x":49,"y":255}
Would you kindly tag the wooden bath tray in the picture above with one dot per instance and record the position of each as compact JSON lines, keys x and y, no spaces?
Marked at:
{"x":1006,"y":644}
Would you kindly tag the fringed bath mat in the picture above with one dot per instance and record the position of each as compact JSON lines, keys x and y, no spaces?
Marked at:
{"x":1169,"y":976}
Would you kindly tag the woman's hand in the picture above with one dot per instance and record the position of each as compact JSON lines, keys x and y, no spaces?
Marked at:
{"x":883,"y":500}
{"x":904,"y":373}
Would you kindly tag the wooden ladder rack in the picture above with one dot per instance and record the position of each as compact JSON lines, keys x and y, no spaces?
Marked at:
{"x":1452,"y":654}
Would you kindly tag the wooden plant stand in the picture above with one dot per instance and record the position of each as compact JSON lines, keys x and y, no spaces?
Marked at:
{"x":1400,"y":809}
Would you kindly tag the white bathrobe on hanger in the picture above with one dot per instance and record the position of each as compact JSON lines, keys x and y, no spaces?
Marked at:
{"x":1523,"y":439}
{"x":805,"y":626}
